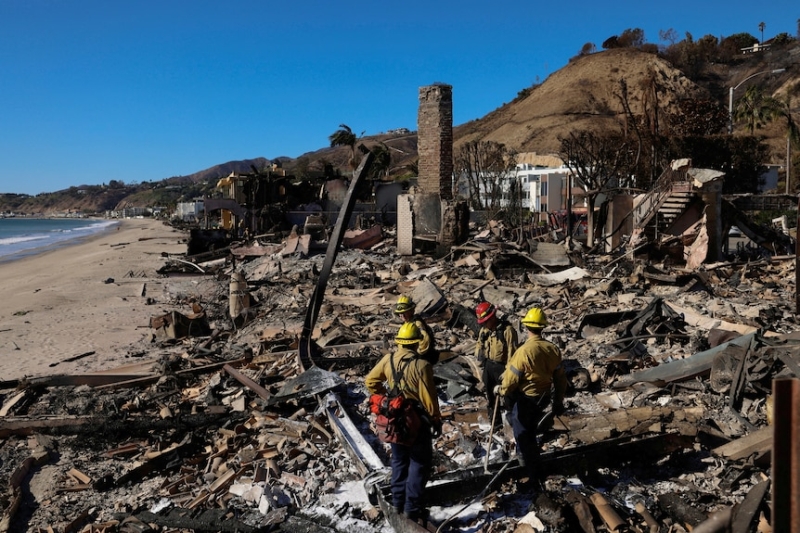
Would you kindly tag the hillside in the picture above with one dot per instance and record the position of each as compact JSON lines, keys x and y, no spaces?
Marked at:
{"x":583,"y":95}
{"x":117,"y":195}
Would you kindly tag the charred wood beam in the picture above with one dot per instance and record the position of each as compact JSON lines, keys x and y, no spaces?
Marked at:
{"x":738,"y":380}
{"x":758,"y":442}
{"x":334,"y":241}
{"x":165,"y":462}
{"x":247,"y":382}
{"x":212,"y":367}
{"x":203,"y":520}
{"x":110,"y":429}
{"x":29,"y":426}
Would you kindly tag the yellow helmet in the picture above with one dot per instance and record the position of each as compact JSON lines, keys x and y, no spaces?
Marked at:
{"x":535,"y":318}
{"x":404,"y":303}
{"x":409,"y":334}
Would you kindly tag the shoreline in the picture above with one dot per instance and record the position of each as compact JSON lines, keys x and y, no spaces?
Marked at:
{"x":54,"y":246}
{"x":82,"y":297}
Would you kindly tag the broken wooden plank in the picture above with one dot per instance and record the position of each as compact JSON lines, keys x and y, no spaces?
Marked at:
{"x":79,"y":476}
{"x":247,"y":382}
{"x":684,"y":369}
{"x":7,"y":406}
{"x":758,"y":442}
{"x":148,"y":380}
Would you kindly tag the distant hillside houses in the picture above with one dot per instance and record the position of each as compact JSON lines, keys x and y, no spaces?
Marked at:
{"x":136,"y":212}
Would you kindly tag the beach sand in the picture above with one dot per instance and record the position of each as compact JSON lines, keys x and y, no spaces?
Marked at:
{"x":62,"y":303}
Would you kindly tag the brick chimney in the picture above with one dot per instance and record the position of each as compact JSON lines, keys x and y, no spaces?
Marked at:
{"x":430,"y":214}
{"x":435,"y":140}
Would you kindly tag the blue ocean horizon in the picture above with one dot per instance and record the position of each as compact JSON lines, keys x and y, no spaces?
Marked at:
{"x":22,"y":236}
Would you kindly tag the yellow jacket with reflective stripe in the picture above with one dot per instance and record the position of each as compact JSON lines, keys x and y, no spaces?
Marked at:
{"x":416,"y":382}
{"x":534,"y":367}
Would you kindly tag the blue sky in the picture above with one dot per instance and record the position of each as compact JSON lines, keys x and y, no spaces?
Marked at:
{"x":95,"y":90}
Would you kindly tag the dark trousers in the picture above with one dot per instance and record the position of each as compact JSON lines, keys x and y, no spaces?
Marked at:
{"x":524,"y":418}
{"x":411,"y":469}
{"x":492,"y":375}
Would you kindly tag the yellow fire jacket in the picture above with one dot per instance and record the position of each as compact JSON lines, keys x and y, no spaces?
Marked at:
{"x":534,"y":367}
{"x":497,"y":345}
{"x":416,"y":381}
{"x":428,"y":342}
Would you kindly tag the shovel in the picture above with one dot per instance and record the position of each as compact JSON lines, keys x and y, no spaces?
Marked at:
{"x":491,"y":434}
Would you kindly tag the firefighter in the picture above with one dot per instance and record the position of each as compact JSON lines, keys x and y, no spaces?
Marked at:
{"x":533,"y":380}
{"x":411,"y":464}
{"x":405,"y":308}
{"x":497,"y":341}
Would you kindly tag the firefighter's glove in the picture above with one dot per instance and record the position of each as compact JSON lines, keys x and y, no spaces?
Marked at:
{"x":496,"y":390}
{"x":558,"y":408}
{"x":436,"y":428}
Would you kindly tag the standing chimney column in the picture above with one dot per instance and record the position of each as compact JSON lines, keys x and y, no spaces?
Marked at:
{"x":435,"y":140}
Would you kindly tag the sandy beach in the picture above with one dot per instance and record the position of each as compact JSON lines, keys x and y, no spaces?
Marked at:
{"x":63,"y":303}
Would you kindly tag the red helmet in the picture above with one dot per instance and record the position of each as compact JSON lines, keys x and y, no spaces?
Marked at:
{"x":485,"y":311}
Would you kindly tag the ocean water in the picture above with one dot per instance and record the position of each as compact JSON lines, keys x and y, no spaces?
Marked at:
{"x":20,"y":237}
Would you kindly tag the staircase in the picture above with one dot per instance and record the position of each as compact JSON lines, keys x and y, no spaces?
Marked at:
{"x":662,"y":206}
{"x":680,"y":196}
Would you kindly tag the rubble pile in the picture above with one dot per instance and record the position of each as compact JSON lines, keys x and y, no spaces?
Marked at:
{"x":219,"y":425}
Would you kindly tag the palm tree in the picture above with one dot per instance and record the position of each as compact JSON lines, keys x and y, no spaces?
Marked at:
{"x":344,"y":136}
{"x":784,"y":111}
{"x":756,"y":108}
{"x":382,"y":161}
{"x":761,"y":27}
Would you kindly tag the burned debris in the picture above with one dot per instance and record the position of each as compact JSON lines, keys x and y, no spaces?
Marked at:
{"x":248,"y":410}
{"x":234,"y":426}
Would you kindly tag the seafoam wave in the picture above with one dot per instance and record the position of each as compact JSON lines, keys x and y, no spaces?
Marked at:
{"x":20,"y":237}
{"x":16,"y":240}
